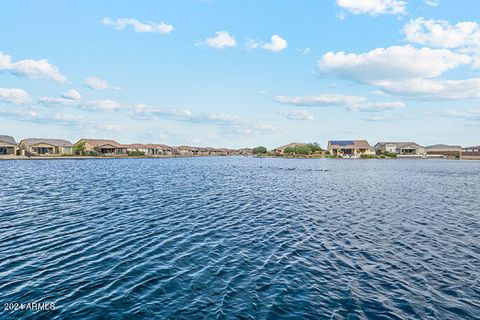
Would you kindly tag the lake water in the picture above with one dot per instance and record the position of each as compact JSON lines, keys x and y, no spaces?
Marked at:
{"x":241,"y":238}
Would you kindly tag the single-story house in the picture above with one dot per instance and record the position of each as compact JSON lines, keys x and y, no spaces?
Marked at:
{"x":350,"y":148}
{"x":444,"y":150}
{"x":401,"y":148}
{"x":38,"y":146}
{"x":104,"y":147}
{"x":8,"y":146}
{"x":163,"y":150}
{"x":150,"y":149}
{"x":201,"y":151}
{"x":214,"y":151}
{"x":186,"y":150}
{"x":470,"y":153}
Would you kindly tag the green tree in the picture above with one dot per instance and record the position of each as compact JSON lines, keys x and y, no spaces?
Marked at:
{"x":79,"y":148}
{"x":259,"y":150}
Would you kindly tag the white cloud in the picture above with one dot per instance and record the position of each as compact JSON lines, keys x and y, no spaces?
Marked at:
{"x":378,"y":106}
{"x":98,"y":84}
{"x":300,"y":114}
{"x":222,"y":39}
{"x":32,"y":69}
{"x":425,"y":89}
{"x":72,"y":94}
{"x":392,"y":63}
{"x":138,"y":26}
{"x":107,"y":105}
{"x":441,"y":34}
{"x":373,"y":7}
{"x":468,"y":114}
{"x":52,"y":101}
{"x":15,"y":96}
{"x":354,"y":103}
{"x":276,"y":44}
{"x":323,"y":100}
{"x":19,"y":113}
{"x":432,"y":3}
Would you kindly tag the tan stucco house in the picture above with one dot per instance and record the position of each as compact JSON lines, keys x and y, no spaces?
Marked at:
{"x":150,"y":149}
{"x":101,"y":146}
{"x":350,"y":148}
{"x":45,"y":147}
{"x":8,"y":146}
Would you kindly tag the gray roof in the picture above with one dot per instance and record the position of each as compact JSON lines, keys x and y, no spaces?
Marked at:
{"x":400,"y":144}
{"x":7,"y":139}
{"x":53,"y":142}
{"x":443,"y":146}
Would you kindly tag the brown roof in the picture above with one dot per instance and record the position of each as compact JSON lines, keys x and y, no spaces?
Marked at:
{"x":185,"y":148}
{"x":147,"y":146}
{"x":53,"y":142}
{"x":102,"y":142}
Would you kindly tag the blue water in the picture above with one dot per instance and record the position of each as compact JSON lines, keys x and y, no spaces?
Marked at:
{"x":241,"y":238}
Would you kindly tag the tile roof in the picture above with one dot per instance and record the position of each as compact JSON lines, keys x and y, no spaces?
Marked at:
{"x":7,"y":139}
{"x":102,"y":142}
{"x":53,"y":142}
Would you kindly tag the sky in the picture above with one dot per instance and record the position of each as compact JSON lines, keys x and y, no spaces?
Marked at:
{"x":229,"y":73}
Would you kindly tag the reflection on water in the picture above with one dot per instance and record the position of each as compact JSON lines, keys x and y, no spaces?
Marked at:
{"x":244,"y":238}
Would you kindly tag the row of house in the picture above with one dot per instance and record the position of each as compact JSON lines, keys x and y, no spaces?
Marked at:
{"x":359,"y":148}
{"x":45,"y":147}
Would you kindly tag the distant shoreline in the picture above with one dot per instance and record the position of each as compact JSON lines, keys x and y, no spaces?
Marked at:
{"x":113,"y":157}
{"x":34,"y":158}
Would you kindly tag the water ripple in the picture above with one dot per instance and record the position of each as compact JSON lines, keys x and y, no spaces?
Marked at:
{"x":247,"y":238}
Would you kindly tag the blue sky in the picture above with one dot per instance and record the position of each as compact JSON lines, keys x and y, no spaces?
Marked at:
{"x":241,"y":73}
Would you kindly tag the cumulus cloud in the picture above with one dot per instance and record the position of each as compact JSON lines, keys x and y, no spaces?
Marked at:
{"x":222,"y":39}
{"x":276,"y":44}
{"x":354,"y":103}
{"x":300,"y":114}
{"x":437,"y":89}
{"x":373,"y":7}
{"x":72,"y":94}
{"x":392,"y":63}
{"x":442,"y":34}
{"x":98,"y":84}
{"x":15,"y":96}
{"x":32,"y":69}
{"x":122,"y":23}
